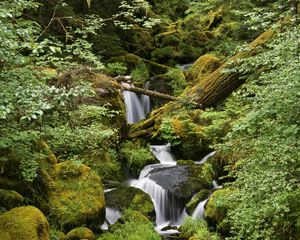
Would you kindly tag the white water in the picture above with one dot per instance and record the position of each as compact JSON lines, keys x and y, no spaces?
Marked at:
{"x":134,"y":109}
{"x":111,"y":216}
{"x":199,"y":210}
{"x":145,"y":100}
{"x":163,"y":153}
{"x":205,"y":158}
{"x":137,"y":106}
{"x":168,"y":212}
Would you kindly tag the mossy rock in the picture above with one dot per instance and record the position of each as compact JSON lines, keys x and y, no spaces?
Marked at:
{"x":200,"y":196}
{"x":79,"y":234}
{"x":75,"y":197}
{"x":216,"y":210}
{"x":125,"y":197}
{"x":204,"y":65}
{"x":24,"y":223}
{"x":10,"y":199}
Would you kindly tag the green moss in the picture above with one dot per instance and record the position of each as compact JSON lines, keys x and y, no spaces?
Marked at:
{"x":135,"y":226}
{"x":80,"y":233}
{"x":75,"y":197}
{"x":10,"y":199}
{"x":200,"y":196}
{"x":24,"y":223}
{"x":216,"y":209}
{"x":125,"y":197}
{"x":204,"y":65}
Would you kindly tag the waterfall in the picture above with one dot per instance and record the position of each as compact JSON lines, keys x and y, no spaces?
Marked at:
{"x":199,"y":210}
{"x":163,"y":153}
{"x":137,"y":106}
{"x":205,"y":158}
{"x":145,"y":99}
{"x":169,"y":211}
{"x":111,"y":216}
{"x":134,"y":109}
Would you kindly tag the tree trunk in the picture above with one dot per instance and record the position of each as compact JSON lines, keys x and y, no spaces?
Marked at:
{"x":148,"y":92}
{"x":206,"y":92}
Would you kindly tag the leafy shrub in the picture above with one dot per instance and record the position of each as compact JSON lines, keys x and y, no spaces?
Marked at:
{"x":137,"y":156}
{"x":116,"y":68}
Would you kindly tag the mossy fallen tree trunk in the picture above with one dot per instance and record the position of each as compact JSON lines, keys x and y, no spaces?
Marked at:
{"x":206,"y":92}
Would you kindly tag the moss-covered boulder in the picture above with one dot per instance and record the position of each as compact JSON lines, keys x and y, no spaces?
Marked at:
{"x":125,"y":197}
{"x":75,"y":196}
{"x":79,"y":234}
{"x":200,"y":196}
{"x":24,"y":223}
{"x":10,"y":199}
{"x":204,"y":65}
{"x":216,"y":210}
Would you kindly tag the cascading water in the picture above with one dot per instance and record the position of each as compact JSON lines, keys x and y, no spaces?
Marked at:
{"x":134,"y":109}
{"x":145,"y":100}
{"x":111,"y":216}
{"x":137,"y":106}
{"x":199,"y":210}
{"x":169,"y":212}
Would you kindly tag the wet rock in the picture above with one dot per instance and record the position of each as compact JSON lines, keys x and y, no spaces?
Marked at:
{"x":130,"y":197}
{"x":183,"y":181}
{"x":24,"y":223}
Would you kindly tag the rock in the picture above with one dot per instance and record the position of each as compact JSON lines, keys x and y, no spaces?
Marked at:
{"x":10,"y":199}
{"x":75,"y":197}
{"x":24,"y":223}
{"x":200,"y":196}
{"x":204,"y":65}
{"x":80,"y":233}
{"x":125,"y":197}
{"x":216,"y":210}
{"x":183,"y":181}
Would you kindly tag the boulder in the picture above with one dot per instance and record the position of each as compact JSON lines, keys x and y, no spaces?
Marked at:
{"x":125,"y":197}
{"x":183,"y":180}
{"x":204,"y":65}
{"x":10,"y":199}
{"x":200,"y":196}
{"x":75,"y":196}
{"x":24,"y":223}
{"x":216,"y":210}
{"x":80,"y":233}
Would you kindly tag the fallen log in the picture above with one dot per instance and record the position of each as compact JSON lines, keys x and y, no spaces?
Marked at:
{"x":128,"y":87}
{"x":206,"y":92}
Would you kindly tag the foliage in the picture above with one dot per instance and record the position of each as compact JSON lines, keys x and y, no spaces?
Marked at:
{"x":177,"y":81}
{"x":264,"y":145}
{"x":197,"y":228}
{"x":132,"y":229}
{"x":168,"y":133}
{"x":140,"y":73}
{"x":136,"y":155}
{"x":116,"y":68}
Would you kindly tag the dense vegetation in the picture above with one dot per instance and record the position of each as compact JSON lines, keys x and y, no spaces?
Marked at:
{"x":63,"y":128}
